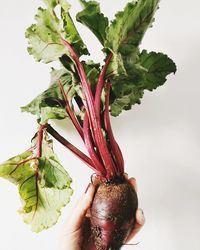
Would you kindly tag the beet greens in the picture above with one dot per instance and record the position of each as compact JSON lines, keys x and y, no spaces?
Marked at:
{"x":86,"y":93}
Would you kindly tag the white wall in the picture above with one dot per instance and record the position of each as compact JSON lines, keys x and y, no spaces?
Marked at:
{"x":160,"y":138}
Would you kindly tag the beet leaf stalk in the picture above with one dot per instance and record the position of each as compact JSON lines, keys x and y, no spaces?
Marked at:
{"x":86,"y":93}
{"x":115,"y":149}
{"x":70,"y":111}
{"x":94,"y":117}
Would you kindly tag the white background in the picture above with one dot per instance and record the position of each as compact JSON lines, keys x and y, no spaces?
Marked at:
{"x":160,"y":139}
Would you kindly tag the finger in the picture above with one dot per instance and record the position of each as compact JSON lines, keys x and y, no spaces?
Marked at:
{"x":126,"y":176}
{"x":133,"y":183}
{"x":94,"y":180}
{"x":79,"y":212}
{"x":140,"y":221}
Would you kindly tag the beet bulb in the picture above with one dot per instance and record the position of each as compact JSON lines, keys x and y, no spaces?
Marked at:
{"x":113,"y":214}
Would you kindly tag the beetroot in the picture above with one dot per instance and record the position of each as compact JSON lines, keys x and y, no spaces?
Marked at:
{"x":113,"y":214}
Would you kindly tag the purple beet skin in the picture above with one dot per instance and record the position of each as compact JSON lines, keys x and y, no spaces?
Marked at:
{"x":113,"y":214}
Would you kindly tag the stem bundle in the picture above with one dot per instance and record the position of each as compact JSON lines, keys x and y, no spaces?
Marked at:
{"x":105,"y":160}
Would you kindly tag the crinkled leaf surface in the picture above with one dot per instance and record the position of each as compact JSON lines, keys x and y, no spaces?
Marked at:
{"x":92,"y":18}
{"x":157,"y":66}
{"x":149,"y":73}
{"x":50,"y":104}
{"x":44,"y":37}
{"x":124,"y":98}
{"x":131,"y":72}
{"x":43,"y":184}
{"x":126,"y":32}
{"x":129,"y":26}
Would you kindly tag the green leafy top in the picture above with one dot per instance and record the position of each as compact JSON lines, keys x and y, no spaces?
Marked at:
{"x":129,"y":72}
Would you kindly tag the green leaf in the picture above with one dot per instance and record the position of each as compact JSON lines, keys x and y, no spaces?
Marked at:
{"x":157,"y":66}
{"x":129,"y":26}
{"x":124,"y":96}
{"x":45,"y":37}
{"x":92,"y":18}
{"x":50,"y":104}
{"x":43,"y":189}
{"x":71,"y":34}
{"x":131,"y":72}
{"x":125,"y":34}
{"x":52,"y":172}
{"x":51,"y":4}
{"x":92,"y":70}
{"x":148,"y":73}
{"x":50,"y":202}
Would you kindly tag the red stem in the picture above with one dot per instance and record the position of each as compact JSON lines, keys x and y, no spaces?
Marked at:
{"x":70,"y":112}
{"x":71,"y":147}
{"x":39,"y":140}
{"x":117,"y":154}
{"x":39,"y":154}
{"x":90,"y":147}
{"x":100,"y":84}
{"x":93,"y":116}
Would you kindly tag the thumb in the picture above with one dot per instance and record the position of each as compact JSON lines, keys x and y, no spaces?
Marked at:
{"x":140,"y":221}
{"x":78,"y":215}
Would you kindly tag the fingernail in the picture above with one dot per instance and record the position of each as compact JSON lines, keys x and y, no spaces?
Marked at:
{"x":87,"y":188}
{"x":141,"y":217}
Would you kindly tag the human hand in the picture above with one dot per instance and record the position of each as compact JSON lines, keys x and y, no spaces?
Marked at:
{"x":76,"y":232}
